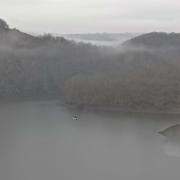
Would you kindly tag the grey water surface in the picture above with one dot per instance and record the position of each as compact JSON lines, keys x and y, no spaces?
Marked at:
{"x":40,"y":141}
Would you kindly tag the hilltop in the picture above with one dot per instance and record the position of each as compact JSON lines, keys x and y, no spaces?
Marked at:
{"x":155,"y":40}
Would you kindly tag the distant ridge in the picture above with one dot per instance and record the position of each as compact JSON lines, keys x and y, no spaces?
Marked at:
{"x":106,"y":39}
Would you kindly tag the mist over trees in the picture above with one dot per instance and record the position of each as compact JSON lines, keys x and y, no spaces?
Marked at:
{"x":141,"y":73}
{"x":3,"y":25}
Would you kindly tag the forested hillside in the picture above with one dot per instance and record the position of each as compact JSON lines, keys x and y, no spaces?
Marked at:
{"x":143,"y":73}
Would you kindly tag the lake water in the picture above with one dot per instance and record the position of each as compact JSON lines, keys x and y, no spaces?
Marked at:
{"x":40,"y":141}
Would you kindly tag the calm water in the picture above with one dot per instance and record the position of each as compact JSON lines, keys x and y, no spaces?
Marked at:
{"x":40,"y":141}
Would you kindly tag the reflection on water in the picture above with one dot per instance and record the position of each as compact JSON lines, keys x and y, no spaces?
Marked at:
{"x":172,"y":148}
{"x":40,"y":141}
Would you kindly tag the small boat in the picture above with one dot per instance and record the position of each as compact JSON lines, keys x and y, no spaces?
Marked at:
{"x":75,"y":117}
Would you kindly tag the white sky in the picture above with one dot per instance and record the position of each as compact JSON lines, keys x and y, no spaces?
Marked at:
{"x":82,"y":16}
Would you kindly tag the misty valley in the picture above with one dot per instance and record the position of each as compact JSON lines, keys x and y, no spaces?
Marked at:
{"x":141,"y":74}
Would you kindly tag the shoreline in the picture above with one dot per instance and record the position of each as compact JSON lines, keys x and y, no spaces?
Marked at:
{"x":107,"y":108}
{"x":120,"y":109}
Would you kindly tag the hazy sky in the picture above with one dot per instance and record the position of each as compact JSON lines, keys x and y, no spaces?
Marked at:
{"x":76,"y":16}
